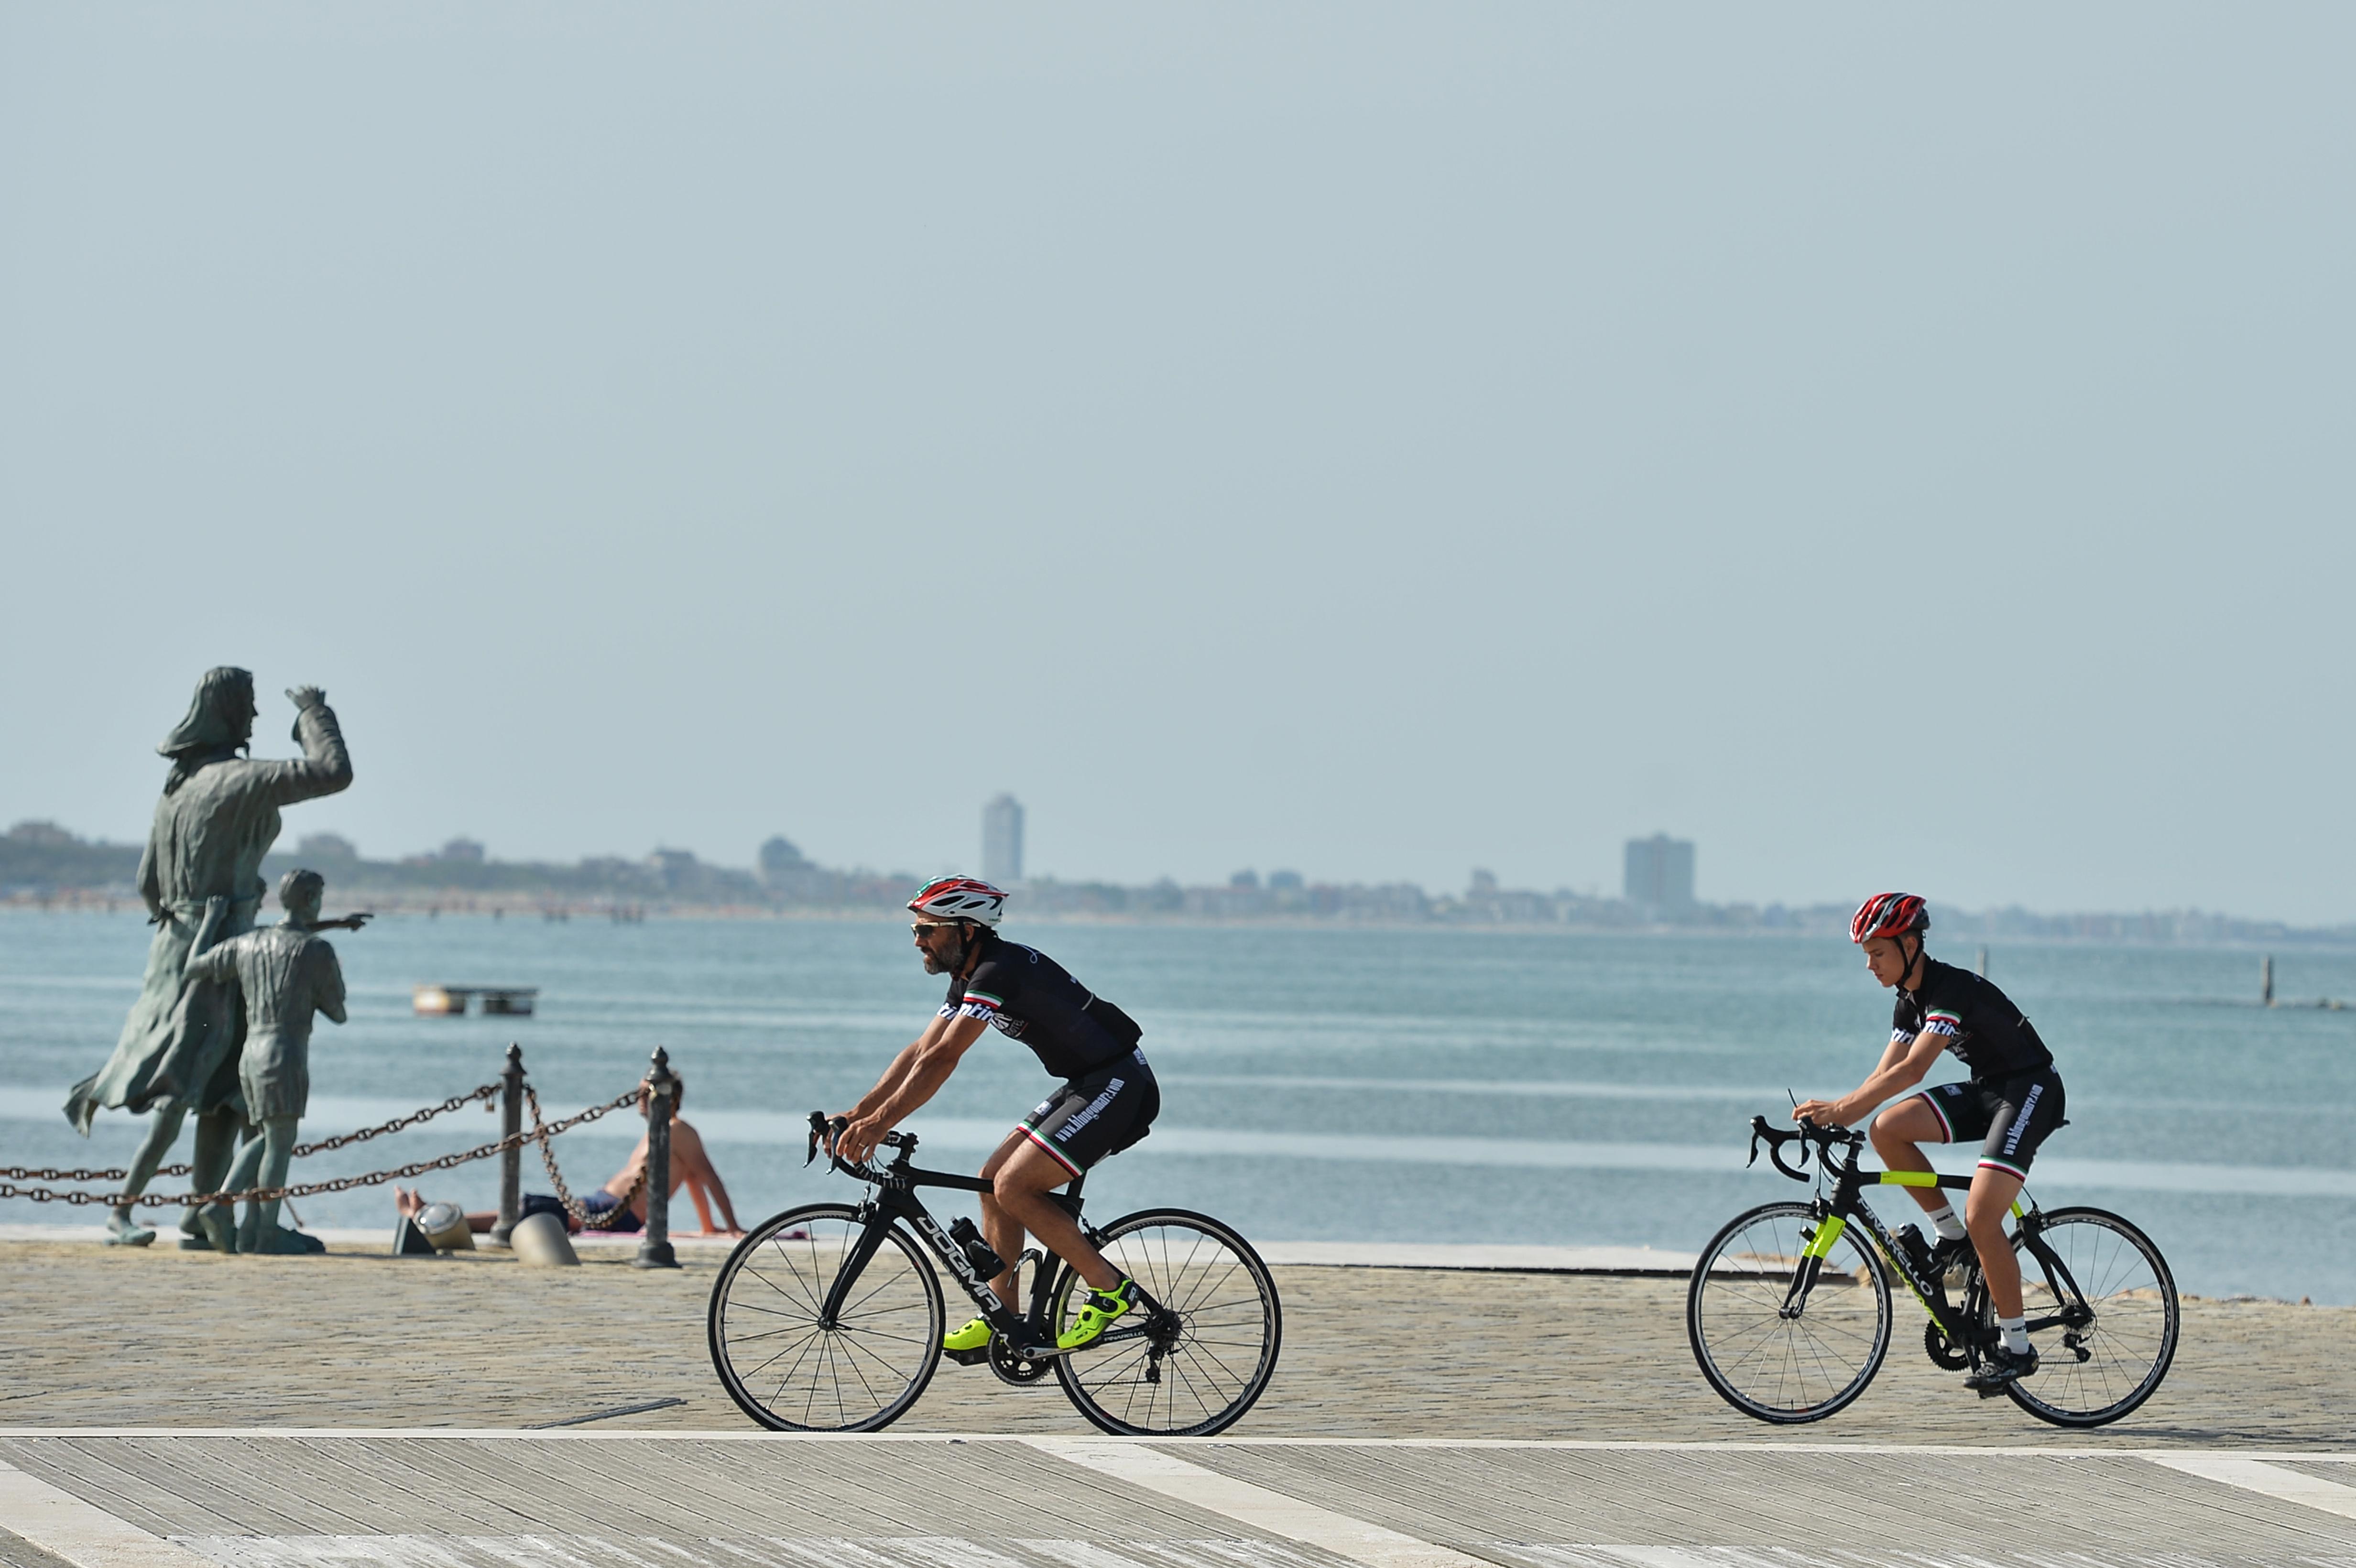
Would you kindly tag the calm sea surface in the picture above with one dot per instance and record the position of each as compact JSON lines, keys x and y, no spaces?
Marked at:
{"x":1345,"y":1084}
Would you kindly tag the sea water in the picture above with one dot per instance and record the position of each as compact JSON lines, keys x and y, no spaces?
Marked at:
{"x":1378,"y":1084}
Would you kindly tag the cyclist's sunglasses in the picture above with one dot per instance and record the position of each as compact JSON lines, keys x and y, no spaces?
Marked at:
{"x":924,"y":928}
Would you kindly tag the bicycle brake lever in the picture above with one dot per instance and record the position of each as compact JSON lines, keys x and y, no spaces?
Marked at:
{"x":1758,"y":1126}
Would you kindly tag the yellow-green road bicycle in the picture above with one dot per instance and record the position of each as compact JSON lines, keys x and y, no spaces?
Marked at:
{"x":1789,"y":1305}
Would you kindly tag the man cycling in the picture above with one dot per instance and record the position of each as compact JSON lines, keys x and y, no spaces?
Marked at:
{"x":1108,"y":1101}
{"x":2013,"y":1101}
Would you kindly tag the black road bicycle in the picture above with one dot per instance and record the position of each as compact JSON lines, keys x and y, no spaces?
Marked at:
{"x":829,"y":1317}
{"x":1789,"y":1305}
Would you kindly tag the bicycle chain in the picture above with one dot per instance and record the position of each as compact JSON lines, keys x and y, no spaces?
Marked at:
{"x":580,"y":1215}
{"x":51,"y":1173}
{"x":341,"y":1184}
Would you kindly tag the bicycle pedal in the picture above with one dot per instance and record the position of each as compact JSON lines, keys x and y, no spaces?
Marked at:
{"x":969,"y":1357}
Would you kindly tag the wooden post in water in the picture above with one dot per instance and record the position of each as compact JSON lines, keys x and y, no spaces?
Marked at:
{"x":1983,"y":960}
{"x":511,"y":1159}
{"x":2267,"y":981}
{"x":654,"y":1247}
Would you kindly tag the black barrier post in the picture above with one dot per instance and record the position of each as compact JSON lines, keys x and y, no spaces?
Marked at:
{"x":511,"y":1161}
{"x":654,"y":1247}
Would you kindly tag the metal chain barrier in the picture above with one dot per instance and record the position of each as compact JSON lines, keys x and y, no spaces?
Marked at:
{"x":487,"y":1092}
{"x":47,"y":1173}
{"x":342,"y":1184}
{"x":580,"y":1213}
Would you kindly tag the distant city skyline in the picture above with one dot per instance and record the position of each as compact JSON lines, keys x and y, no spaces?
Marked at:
{"x":40,"y":862}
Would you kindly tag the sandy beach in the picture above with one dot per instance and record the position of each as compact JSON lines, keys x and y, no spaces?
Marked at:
{"x":161,"y":1338}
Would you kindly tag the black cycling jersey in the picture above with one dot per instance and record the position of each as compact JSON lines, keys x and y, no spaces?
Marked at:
{"x":1980,"y":1025}
{"x":1023,"y":993}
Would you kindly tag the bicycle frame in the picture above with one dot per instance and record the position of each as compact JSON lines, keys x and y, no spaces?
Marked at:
{"x":1845,"y":1206}
{"x":894,"y":1201}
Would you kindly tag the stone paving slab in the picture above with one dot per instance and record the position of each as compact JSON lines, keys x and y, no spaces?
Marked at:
{"x":1868,"y":1500}
{"x":684,"y":1500}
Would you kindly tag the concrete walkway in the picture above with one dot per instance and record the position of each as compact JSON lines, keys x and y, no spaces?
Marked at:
{"x":681,"y":1500}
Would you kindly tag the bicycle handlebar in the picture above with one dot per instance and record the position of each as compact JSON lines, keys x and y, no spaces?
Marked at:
{"x":824,"y":1133}
{"x":1808,"y":1136}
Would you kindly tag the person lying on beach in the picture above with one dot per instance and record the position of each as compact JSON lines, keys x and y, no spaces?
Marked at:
{"x":690,"y":1167}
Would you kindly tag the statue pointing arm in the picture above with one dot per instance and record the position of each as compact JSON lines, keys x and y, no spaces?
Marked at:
{"x":325,"y":766}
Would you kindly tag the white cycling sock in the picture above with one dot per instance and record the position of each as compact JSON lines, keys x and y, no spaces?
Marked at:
{"x":2016,"y":1334}
{"x":1943,"y":1221}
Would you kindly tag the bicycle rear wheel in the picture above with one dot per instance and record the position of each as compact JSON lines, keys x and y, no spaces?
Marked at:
{"x":790,"y":1371}
{"x":1781,"y":1367}
{"x":1198,"y":1355}
{"x":2117,"y":1312}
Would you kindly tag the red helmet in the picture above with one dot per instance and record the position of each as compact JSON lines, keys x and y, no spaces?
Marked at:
{"x":960,"y":898}
{"x":1889,"y":914}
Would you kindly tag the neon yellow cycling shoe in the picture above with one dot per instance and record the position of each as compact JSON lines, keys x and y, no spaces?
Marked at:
{"x":974,"y":1336}
{"x":1104,"y":1307}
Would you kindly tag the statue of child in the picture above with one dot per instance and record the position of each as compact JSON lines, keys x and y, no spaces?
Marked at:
{"x":287,"y":974}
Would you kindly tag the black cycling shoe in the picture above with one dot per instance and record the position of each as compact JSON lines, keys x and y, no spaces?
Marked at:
{"x":2001,"y":1367}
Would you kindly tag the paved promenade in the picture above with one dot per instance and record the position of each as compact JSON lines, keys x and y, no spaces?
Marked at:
{"x":362,"y":1409}
{"x":112,"y":1339}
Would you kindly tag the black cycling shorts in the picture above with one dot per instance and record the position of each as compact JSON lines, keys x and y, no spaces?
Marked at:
{"x":2010,"y":1117}
{"x":1096,"y":1117}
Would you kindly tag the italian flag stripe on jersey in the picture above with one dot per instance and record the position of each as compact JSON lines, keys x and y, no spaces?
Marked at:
{"x":1952,"y":1018}
{"x":985,"y":999}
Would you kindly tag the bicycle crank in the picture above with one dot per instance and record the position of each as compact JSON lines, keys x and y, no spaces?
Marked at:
{"x":1014,"y":1367}
{"x":1943,"y":1352}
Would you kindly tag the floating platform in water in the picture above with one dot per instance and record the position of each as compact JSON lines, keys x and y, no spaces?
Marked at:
{"x":450,"y":1001}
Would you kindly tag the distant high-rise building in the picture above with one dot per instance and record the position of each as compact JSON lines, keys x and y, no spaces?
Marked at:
{"x":1002,"y":841}
{"x":1661,"y":874}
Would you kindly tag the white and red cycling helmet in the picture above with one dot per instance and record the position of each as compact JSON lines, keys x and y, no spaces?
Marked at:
{"x":1889,"y":914}
{"x":960,"y":897}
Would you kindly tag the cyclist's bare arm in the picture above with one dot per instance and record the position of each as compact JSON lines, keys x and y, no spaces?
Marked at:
{"x":915,"y":1076}
{"x":1903,"y":1065}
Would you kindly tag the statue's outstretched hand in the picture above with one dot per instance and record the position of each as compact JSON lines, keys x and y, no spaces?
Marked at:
{"x":306,"y":696}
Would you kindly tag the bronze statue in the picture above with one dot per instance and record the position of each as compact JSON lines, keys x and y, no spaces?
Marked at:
{"x":285,"y":974}
{"x":201,"y":879}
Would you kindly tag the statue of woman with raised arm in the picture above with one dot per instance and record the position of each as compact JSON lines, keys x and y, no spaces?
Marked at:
{"x":201,"y":879}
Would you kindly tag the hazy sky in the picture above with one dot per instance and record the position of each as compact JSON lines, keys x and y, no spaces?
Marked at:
{"x":1891,"y":446}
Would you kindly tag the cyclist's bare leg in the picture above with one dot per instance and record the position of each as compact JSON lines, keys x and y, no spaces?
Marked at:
{"x":1990,"y":1201}
{"x":1897,"y":1131}
{"x":1020,"y":1179}
{"x":1000,"y":1229}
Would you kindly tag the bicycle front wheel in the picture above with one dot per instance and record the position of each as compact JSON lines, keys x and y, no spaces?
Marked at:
{"x":1773,"y":1352}
{"x":2103,"y":1314}
{"x":789,"y":1368}
{"x":1197,"y":1354}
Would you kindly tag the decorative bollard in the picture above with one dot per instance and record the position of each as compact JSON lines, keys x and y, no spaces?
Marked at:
{"x":511,"y":1161}
{"x":540,"y":1241}
{"x":662,"y":1096}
